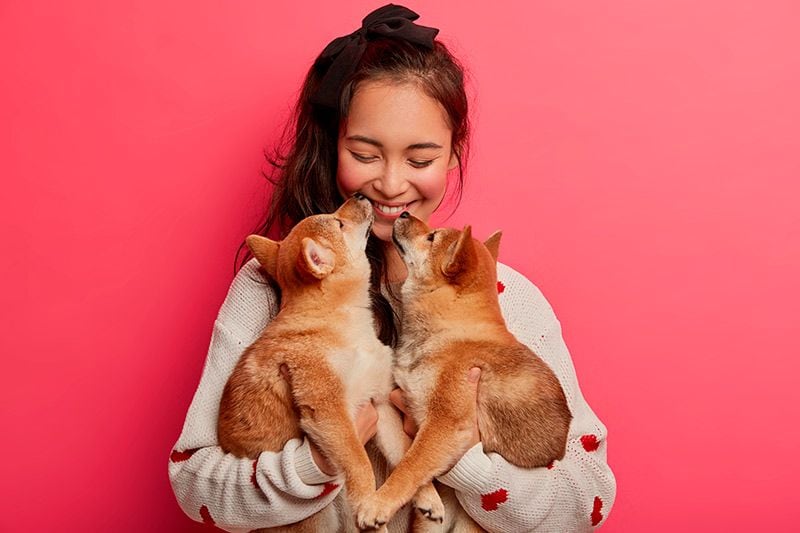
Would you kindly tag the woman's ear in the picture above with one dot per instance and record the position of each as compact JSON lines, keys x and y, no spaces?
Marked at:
{"x":453,"y":163}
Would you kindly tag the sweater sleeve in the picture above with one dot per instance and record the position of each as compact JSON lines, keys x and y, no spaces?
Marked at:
{"x":241,"y":494}
{"x":573,"y":494}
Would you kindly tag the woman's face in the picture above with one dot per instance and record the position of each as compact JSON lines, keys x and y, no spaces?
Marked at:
{"x":395,"y":148}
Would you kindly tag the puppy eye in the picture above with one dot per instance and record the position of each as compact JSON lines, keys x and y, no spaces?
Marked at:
{"x":431,"y":236}
{"x":341,"y":224}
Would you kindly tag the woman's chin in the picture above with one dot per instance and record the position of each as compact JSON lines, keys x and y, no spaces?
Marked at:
{"x":382,"y":231}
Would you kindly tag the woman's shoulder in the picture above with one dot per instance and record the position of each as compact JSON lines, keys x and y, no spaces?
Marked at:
{"x":523,"y":304}
{"x":251,"y":302}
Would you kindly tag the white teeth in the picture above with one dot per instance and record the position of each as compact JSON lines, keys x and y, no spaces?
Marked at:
{"x":389,"y":210}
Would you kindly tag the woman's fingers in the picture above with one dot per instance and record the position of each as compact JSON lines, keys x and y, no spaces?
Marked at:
{"x":409,"y":426}
{"x":366,"y":422}
{"x":474,"y":376}
{"x":320,"y":460}
{"x":398,"y":399}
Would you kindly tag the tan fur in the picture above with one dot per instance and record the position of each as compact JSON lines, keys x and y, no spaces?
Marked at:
{"x":451,"y":323}
{"x":324,"y":335}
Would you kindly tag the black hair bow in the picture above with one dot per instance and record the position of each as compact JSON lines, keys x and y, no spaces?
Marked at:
{"x":342,"y":55}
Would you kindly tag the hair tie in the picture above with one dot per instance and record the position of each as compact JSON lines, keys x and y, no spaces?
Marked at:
{"x":343,"y":53}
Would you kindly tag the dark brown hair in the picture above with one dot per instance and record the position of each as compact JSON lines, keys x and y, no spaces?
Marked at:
{"x":304,"y":162}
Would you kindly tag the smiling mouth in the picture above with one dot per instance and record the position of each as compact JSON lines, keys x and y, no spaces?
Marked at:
{"x":389,"y":213}
{"x":390,"y":209}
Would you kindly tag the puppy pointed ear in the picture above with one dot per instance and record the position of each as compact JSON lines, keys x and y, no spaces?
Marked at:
{"x":460,"y":255}
{"x":266,"y":252}
{"x":493,"y":243}
{"x":317,"y":259}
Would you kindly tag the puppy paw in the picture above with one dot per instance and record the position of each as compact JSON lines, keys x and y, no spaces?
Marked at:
{"x":428,"y":503}
{"x":373,"y":514}
{"x":434,"y":515}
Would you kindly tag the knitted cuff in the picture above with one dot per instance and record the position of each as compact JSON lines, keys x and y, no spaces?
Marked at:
{"x":471,"y":474}
{"x":307,"y":470}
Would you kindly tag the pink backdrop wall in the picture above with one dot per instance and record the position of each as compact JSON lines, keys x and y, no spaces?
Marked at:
{"x":642,"y":159}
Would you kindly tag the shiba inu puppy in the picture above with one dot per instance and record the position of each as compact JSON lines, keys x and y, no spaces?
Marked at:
{"x":324,"y":337}
{"x":451,"y":323}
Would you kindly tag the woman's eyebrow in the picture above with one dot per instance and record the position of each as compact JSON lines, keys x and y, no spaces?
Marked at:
{"x":422,"y":145}
{"x":416,"y":146}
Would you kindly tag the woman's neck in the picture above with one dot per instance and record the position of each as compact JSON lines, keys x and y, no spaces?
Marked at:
{"x":395,"y":266}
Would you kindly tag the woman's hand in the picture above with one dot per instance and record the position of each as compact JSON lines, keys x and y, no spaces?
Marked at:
{"x":397,"y":397}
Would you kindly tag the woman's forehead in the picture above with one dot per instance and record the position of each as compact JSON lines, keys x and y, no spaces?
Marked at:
{"x":396,"y":115}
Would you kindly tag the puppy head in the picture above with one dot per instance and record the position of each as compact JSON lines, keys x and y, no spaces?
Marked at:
{"x":319,"y":247}
{"x":445,"y":257}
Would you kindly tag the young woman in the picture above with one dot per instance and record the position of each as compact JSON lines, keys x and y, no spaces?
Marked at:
{"x":383,"y":111}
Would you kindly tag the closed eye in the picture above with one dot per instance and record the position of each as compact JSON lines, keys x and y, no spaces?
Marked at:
{"x":341,"y":224}
{"x":363,"y":158}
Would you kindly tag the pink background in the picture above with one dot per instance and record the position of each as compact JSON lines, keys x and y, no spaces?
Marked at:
{"x":642,"y":159}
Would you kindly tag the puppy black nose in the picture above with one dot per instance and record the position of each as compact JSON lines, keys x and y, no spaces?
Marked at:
{"x":359,"y":196}
{"x":404,"y":214}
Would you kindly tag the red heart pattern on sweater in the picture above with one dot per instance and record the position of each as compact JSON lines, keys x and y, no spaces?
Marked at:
{"x":500,"y":287}
{"x":590,"y":442}
{"x":205,"y":514}
{"x":490,"y":501}
{"x":327,"y":489}
{"x":597,"y":516}
{"x":177,"y":457}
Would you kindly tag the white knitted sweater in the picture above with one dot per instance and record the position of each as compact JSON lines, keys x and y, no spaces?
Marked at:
{"x":571,"y":495}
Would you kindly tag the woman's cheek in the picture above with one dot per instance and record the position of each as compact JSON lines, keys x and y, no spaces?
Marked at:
{"x":348,"y":180}
{"x":433,"y":185}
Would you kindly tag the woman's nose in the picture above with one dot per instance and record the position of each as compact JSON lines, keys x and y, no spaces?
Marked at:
{"x":392,"y":183}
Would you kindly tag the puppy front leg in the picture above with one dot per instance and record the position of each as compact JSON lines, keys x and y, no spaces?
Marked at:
{"x":332,"y":430}
{"x":390,"y":438}
{"x":324,"y":417}
{"x":439,"y":442}
{"x":393,"y":442}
